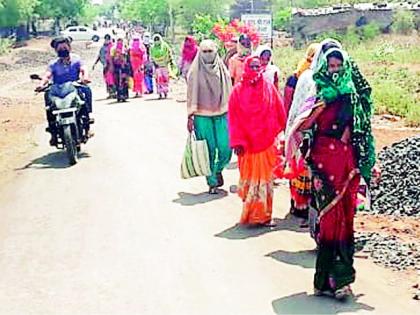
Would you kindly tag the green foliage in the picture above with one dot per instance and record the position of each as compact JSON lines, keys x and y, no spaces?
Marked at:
{"x":187,"y":10}
{"x":146,"y":11}
{"x":370,"y":31}
{"x":9,"y":13}
{"x":5,"y":45}
{"x":404,"y":22}
{"x":282,"y":18}
{"x":88,"y":13}
{"x":13,"y":12}
{"x":202,"y":26}
{"x":353,"y":35}
{"x":70,"y":9}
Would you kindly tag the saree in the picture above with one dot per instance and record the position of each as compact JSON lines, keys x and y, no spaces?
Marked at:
{"x":162,"y":80}
{"x":189,"y":51}
{"x":335,"y":172}
{"x":335,"y":180}
{"x":122,"y":71}
{"x":137,"y":59}
{"x":256,"y":116}
{"x":162,"y":57}
{"x":109,"y":71}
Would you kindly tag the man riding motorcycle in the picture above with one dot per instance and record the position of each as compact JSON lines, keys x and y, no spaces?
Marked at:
{"x":68,"y":67}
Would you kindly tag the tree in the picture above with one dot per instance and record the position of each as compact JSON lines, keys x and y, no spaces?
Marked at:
{"x":9,"y":13}
{"x":88,"y":13}
{"x":149,"y":12}
{"x":189,"y":9}
{"x":60,"y":9}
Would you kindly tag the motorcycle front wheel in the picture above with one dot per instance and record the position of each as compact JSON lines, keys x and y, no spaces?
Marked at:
{"x":70,"y":145}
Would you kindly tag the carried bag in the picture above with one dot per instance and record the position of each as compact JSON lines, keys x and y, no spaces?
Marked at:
{"x":196,"y":160}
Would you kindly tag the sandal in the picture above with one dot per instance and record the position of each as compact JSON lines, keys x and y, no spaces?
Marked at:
{"x":343,"y":293}
{"x":213,"y":191}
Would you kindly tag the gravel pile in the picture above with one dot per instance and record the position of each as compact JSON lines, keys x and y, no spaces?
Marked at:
{"x":389,"y":251}
{"x":398,"y":192}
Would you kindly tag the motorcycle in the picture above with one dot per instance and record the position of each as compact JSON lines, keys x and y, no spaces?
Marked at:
{"x":70,"y":117}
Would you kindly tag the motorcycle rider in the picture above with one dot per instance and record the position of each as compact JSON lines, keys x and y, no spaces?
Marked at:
{"x":67,"y":67}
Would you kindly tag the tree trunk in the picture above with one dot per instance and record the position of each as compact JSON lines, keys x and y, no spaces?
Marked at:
{"x":172,"y":23}
{"x":57,"y":26}
{"x":34,"y":29}
{"x":21,"y":33}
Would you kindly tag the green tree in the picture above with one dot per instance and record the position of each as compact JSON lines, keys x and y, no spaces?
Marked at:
{"x":9,"y":13}
{"x":189,"y":9}
{"x":282,"y":18}
{"x":88,"y":13}
{"x":149,"y":12}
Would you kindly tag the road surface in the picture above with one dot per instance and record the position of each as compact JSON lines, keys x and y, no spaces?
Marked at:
{"x":121,"y":233}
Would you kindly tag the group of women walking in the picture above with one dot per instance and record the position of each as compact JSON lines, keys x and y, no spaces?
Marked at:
{"x":325,"y":116}
{"x":133,"y":65}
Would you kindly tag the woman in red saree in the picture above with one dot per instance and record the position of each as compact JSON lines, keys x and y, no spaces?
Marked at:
{"x":256,"y":116}
{"x":339,"y":152}
{"x":137,"y":60}
{"x":189,"y":51}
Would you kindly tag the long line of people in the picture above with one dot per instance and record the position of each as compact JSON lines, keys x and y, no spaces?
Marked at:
{"x":235,"y":105}
{"x":136,"y":65}
{"x":329,"y":149}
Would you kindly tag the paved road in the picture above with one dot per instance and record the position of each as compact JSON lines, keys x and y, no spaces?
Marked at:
{"x":121,"y":233}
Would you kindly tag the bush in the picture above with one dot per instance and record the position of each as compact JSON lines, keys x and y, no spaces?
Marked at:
{"x":5,"y":45}
{"x":403,"y":22}
{"x":330,"y":34}
{"x":282,"y":19}
{"x":351,"y":37}
{"x":370,"y":31}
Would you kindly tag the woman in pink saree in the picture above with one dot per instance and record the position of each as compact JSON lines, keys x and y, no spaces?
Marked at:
{"x":137,"y":60}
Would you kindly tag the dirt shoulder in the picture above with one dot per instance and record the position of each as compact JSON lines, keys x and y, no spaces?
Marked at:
{"x":21,"y":110}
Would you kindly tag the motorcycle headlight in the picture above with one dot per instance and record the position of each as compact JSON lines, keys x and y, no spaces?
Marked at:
{"x":66,"y":102}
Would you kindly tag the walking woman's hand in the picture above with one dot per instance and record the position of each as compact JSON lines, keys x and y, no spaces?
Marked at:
{"x":239,"y":150}
{"x":190,"y":124}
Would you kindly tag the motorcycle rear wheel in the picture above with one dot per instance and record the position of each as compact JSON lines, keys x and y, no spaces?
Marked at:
{"x":70,"y":145}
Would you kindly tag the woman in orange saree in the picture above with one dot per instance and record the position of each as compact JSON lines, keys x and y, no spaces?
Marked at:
{"x":256,"y":116}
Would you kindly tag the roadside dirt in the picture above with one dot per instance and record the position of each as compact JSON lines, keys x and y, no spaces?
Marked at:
{"x":21,"y":110}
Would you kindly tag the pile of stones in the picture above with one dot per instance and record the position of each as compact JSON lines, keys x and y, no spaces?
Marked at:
{"x":398,"y":191}
{"x":389,"y":250}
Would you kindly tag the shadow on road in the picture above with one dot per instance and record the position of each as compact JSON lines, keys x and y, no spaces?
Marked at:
{"x":188,"y":199}
{"x":240,"y":232}
{"x":57,"y":160}
{"x":304,"y":258}
{"x":302,"y":303}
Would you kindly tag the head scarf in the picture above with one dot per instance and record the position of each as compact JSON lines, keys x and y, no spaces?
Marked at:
{"x":243,"y":50}
{"x":209,"y":84}
{"x":190,"y":49}
{"x":256,"y":112}
{"x":323,"y":47}
{"x":137,"y":45}
{"x":305,"y":93}
{"x":160,"y":51}
{"x":349,"y":82}
{"x":250,"y":76}
{"x":305,"y":63}
{"x":261,"y":49}
{"x":331,"y":86}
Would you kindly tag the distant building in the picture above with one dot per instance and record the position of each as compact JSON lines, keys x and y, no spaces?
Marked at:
{"x":309,"y":23}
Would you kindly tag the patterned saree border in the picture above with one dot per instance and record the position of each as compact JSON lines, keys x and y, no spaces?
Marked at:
{"x":334,"y":202}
